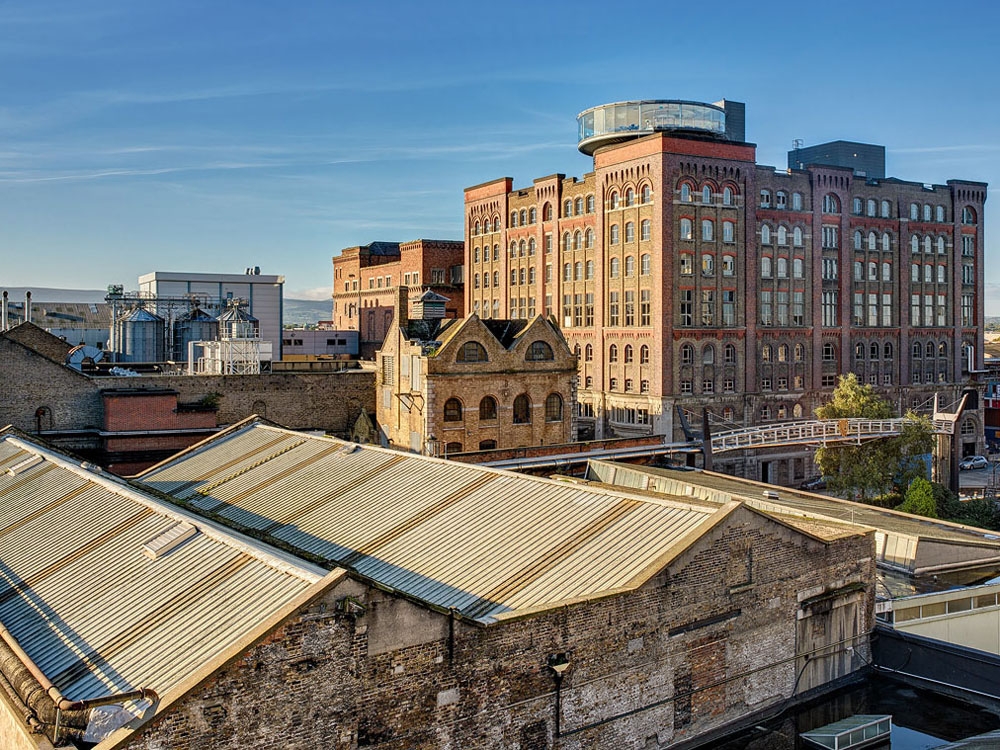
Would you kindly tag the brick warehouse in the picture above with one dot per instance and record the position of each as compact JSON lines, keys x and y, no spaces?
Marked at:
{"x":402,"y":601}
{"x":365,"y":279}
{"x":685,"y":274}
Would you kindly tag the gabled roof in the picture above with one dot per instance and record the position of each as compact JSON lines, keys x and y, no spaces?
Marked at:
{"x":39,"y":341}
{"x":86,"y":597}
{"x":487,"y":543}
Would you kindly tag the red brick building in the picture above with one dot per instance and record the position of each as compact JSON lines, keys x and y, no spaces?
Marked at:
{"x":365,"y":279}
{"x":685,"y":275}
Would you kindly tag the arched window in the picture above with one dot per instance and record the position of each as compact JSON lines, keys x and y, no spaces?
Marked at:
{"x":547,"y":212}
{"x":629,"y":231}
{"x":613,"y":199}
{"x":798,"y":269}
{"x":856,"y":206}
{"x":929,"y":349}
{"x":857,"y":239}
{"x":707,"y":230}
{"x":918,"y":350}
{"x":928,"y":244}
{"x":539,"y":351}
{"x":797,"y":201}
{"x":590,"y":204}
{"x":886,"y":272}
{"x":513,"y":218}
{"x":940,"y":245}
{"x":706,"y":194}
{"x":783,"y":353}
{"x":577,"y":239}
{"x":496,"y":278}
{"x":887,"y":351}
{"x":531,"y":246}
{"x":645,"y":264}
{"x":628,"y":354}
{"x":476,"y":230}
{"x":927,"y":212}
{"x":687,"y":354}
{"x":886,"y":242}
{"x":685,"y":193}
{"x":885,"y":210}
{"x":579,"y":206}
{"x":940,"y":275}
{"x":588,"y":238}
{"x":943,"y":350}
{"x":873,"y":351}
{"x":780,"y":199}
{"x":613,"y":353}
{"x":553,"y":408}
{"x":472,"y":351}
{"x":452,"y":410}
{"x":782,"y":267}
{"x":532,"y":215}
{"x":765,"y":353}
{"x":487,"y":409}
{"x":871,"y":207}
{"x":831,"y":204}
{"x":859,"y":351}
{"x":578,"y":270}
{"x":588,"y":353}
{"x":643,"y":355}
{"x":800,"y":352}
{"x":765,"y":234}
{"x":567,"y":207}
{"x":765,"y":267}
{"x":686,"y":230}
{"x":629,"y":266}
{"x":630,"y":197}
{"x":729,"y":354}
{"x":496,"y":224}
{"x":615,"y":268}
{"x":455,"y":447}
{"x":615,"y":234}
{"x":914,"y":244}
{"x":797,"y":236}
{"x":590,"y":269}
{"x":968,"y":215}
{"x":476,"y":282}
{"x":782,"y":236}
{"x":727,"y":196}
{"x":646,"y":194}
{"x":522,"y":409}
{"x":708,"y":355}
{"x":872,"y":241}
{"x":797,"y":411}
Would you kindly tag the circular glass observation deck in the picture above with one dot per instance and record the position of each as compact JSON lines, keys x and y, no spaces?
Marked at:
{"x":623,"y":121}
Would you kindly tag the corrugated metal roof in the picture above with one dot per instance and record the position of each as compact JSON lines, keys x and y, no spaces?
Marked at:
{"x":483,"y":541}
{"x":96,"y":614}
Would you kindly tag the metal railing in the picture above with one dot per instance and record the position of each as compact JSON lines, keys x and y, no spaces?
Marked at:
{"x":815,"y":431}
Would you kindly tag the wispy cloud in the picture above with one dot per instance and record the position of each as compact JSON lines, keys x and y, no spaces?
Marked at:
{"x":953,"y":148}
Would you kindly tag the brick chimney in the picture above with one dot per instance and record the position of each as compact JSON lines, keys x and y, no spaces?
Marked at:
{"x":402,"y":307}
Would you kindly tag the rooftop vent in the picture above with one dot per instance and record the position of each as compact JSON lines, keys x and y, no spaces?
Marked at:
{"x":22,"y":466}
{"x":169,"y":540}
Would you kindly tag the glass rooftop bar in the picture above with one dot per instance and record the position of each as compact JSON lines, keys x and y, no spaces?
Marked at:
{"x":622,"y":121}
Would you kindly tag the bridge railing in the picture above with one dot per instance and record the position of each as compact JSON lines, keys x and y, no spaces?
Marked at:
{"x":820,"y":431}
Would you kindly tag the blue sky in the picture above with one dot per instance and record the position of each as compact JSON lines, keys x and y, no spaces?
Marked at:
{"x":211,"y":136}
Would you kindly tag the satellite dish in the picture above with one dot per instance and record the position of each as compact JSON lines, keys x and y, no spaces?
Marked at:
{"x":76,"y":356}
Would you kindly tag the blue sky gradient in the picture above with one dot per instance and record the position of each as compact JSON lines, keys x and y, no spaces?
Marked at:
{"x":211,"y":136}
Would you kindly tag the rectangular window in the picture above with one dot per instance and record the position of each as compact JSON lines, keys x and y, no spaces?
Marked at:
{"x":858,"y":313}
{"x":968,"y":245}
{"x":765,"y":384}
{"x":831,"y":238}
{"x":728,"y":265}
{"x":728,"y":307}
{"x":831,"y":317}
{"x":630,"y":308}
{"x":915,"y":310}
{"x":687,"y":307}
{"x":782,"y":308}
{"x":829,"y":269}
{"x":766,"y":309}
{"x":578,"y":309}
{"x":828,"y":381}
{"x":567,"y":313}
{"x":614,"y":309}
{"x":928,"y":309}
{"x":588,"y":310}
{"x":798,"y":308}
{"x":967,"y":310}
{"x":941,"y":310}
{"x":548,"y":305}
{"x":873,"y":309}
{"x":644,"y":307}
{"x":707,"y":307}
{"x":548,"y":243}
{"x":887,"y":310}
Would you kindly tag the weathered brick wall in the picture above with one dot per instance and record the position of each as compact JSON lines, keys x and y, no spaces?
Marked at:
{"x":29,"y":382}
{"x":691,"y":650}
{"x":321,"y":401}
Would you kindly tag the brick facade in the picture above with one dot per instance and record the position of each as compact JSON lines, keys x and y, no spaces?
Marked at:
{"x":686,"y":275}
{"x":365,"y":279}
{"x":708,"y":641}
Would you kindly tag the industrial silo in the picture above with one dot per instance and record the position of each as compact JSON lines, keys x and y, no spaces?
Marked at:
{"x":195,"y":325}
{"x":237,"y":323}
{"x":139,"y":336}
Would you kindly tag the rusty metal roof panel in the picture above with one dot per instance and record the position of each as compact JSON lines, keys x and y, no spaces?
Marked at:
{"x":455,"y":535}
{"x":105,"y":596}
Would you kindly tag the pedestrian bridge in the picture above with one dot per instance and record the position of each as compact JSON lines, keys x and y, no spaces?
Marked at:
{"x":816,"y":431}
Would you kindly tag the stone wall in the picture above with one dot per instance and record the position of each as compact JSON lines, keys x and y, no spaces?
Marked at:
{"x":709,"y":640}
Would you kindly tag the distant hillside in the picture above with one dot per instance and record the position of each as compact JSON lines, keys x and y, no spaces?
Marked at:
{"x":298,"y":312}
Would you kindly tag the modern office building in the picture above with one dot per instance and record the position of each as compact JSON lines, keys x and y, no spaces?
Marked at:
{"x":866,"y":159}
{"x":686,"y":275}
{"x":365,"y":279}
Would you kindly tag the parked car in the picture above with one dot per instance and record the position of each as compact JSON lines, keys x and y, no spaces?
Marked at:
{"x":973,"y":462}
{"x":817,"y":483}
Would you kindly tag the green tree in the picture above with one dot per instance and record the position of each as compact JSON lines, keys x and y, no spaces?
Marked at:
{"x":919,"y":499}
{"x":874,"y":467}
